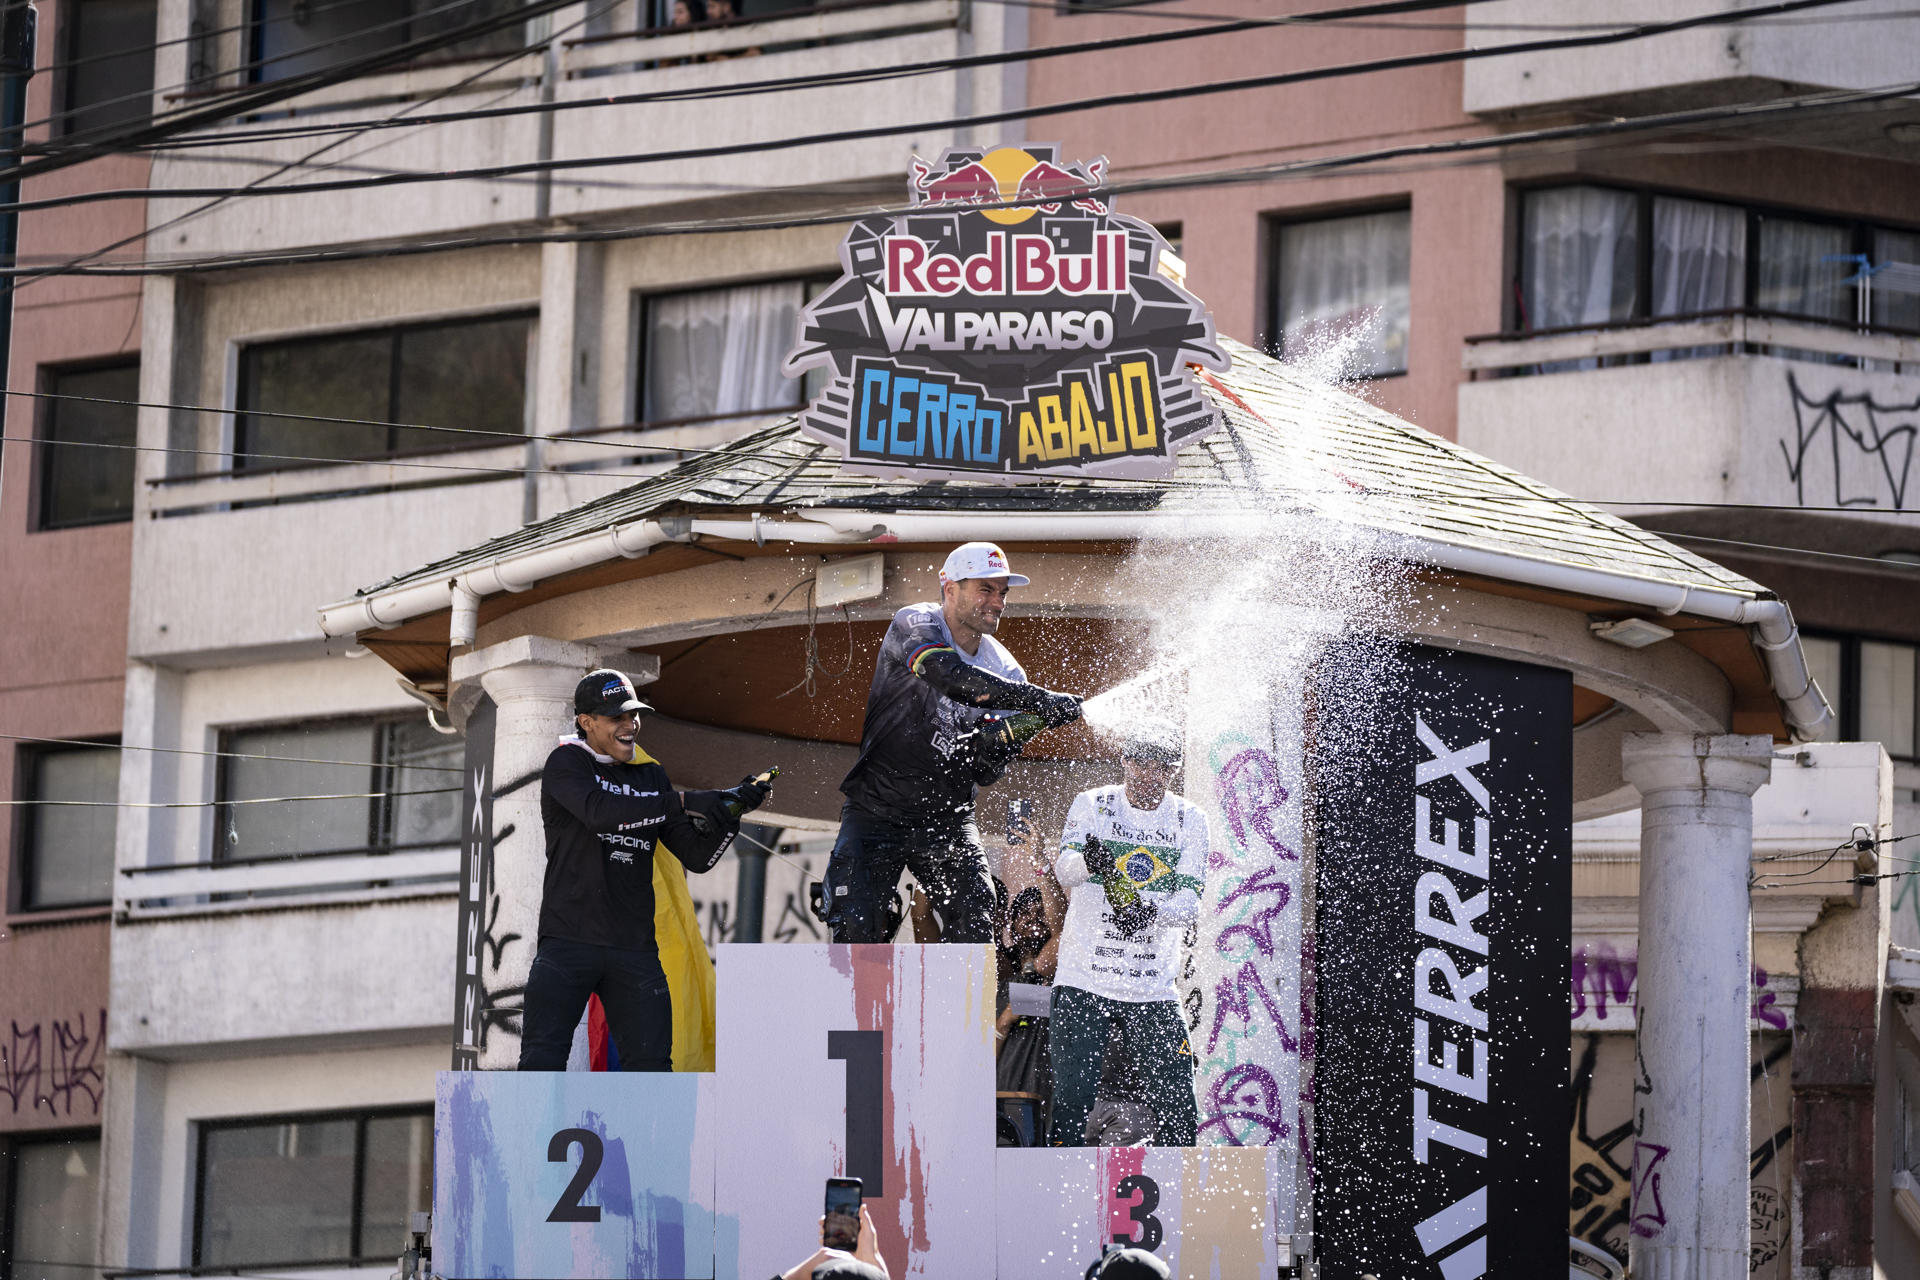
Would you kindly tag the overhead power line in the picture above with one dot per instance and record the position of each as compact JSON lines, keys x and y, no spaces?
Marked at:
{"x":1035,"y":111}
{"x":234,"y":755}
{"x":256,"y":99}
{"x":79,"y":140}
{"x":1760,"y":113}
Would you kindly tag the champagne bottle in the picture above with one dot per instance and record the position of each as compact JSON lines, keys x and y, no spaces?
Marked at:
{"x":735,"y":804}
{"x":1014,"y":730}
{"x":1120,"y":890}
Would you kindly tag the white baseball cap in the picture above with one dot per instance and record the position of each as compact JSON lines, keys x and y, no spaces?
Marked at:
{"x":979,"y":560}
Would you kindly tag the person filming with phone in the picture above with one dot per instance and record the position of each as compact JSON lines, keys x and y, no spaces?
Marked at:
{"x":948,"y":710}
{"x":849,"y":1249}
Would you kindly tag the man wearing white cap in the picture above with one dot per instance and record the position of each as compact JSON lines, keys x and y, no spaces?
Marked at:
{"x":940,"y":724}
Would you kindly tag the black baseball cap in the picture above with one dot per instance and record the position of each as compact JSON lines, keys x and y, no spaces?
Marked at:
{"x":847,"y":1269}
{"x":606,"y":692}
{"x":1128,"y":1264}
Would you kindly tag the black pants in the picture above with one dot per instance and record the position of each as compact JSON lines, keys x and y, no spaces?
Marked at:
{"x":864,"y":874}
{"x":1159,"y":1064}
{"x":632,"y":989}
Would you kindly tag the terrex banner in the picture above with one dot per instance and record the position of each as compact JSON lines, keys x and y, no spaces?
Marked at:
{"x":1031,"y":338}
{"x":1443,"y":890}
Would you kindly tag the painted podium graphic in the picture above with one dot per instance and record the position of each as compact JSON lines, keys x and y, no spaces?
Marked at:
{"x":874,"y":1062}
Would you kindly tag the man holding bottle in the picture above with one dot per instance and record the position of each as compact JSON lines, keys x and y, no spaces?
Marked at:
{"x":605,"y":803}
{"x":1130,"y":859}
{"x":949,"y":709}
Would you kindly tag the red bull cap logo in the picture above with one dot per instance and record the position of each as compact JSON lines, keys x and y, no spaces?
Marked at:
{"x":1011,"y":327}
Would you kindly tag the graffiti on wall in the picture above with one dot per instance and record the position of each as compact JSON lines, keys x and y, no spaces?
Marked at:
{"x":1604,"y":1166}
{"x":1602,"y":983}
{"x":1864,"y":446}
{"x":56,"y":1063}
{"x":1240,"y":1012}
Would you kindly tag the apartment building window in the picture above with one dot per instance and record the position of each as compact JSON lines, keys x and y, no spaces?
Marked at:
{"x":1874,"y":686}
{"x":399,"y":778}
{"x":294,"y":37}
{"x":1895,"y":308}
{"x":85,"y":460}
{"x":67,"y":833}
{"x":1592,"y":256}
{"x":280,"y":1190}
{"x":106,"y":64}
{"x":51,"y":1208}
{"x":1341,"y":291}
{"x":467,"y":374}
{"x":712,"y":352}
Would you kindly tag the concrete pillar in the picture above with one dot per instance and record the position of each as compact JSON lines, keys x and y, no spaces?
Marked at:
{"x":1690,"y":1204}
{"x":531,"y":680}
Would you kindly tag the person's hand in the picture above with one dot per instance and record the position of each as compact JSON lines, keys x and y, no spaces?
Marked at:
{"x":804,"y":1271}
{"x":1099,"y":858}
{"x":1058,"y":708}
{"x":753,"y":792}
{"x":868,"y":1247}
{"x":1135,"y":917}
{"x":1020,"y":833}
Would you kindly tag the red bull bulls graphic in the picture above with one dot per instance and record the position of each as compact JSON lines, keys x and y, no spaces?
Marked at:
{"x":1010,"y":327}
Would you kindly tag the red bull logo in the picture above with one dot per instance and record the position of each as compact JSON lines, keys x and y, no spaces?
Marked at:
{"x":1008,"y":326}
{"x":1011,"y":174}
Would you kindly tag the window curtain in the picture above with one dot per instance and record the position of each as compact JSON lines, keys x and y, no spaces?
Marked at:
{"x":1794,"y":274}
{"x":719,"y":351}
{"x":1343,"y":292}
{"x":1580,"y":257}
{"x":1896,"y":307}
{"x":1699,"y":264}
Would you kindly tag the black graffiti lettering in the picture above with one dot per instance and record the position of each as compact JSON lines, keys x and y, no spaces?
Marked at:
{"x":1853,"y":426}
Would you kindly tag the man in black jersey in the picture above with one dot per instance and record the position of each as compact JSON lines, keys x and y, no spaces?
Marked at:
{"x":938,"y":728}
{"x":604,"y":803}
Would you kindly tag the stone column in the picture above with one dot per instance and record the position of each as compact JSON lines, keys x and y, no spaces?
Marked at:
{"x":1690,"y":1209}
{"x":531,"y":680}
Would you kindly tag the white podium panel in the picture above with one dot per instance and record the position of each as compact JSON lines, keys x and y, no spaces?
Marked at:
{"x":1208,"y":1211}
{"x":571,"y":1173}
{"x":872,"y":1062}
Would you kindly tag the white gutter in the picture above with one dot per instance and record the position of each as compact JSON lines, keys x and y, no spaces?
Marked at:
{"x":1773,"y":631}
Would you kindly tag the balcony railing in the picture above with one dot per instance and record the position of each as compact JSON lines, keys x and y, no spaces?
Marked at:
{"x":1705,"y":334}
{"x":200,"y":888}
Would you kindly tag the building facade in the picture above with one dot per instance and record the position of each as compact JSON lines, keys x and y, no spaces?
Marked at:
{"x":1663,"y":317}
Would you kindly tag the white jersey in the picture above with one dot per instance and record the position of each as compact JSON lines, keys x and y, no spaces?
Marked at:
{"x":1163,"y":852}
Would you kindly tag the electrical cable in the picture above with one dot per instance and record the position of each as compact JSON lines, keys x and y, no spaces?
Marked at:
{"x":294,"y":13}
{"x":1760,"y":113}
{"x":221,"y":804}
{"x":1135,"y":97}
{"x":189,"y":215}
{"x":732,"y":451}
{"x":236,"y":755}
{"x":831,"y":78}
{"x":248,"y":102}
{"x":86,"y":138}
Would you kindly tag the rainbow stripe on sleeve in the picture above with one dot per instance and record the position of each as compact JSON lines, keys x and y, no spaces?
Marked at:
{"x":919,"y":655}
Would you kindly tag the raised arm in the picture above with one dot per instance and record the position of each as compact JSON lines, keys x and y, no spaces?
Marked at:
{"x":570,"y":781}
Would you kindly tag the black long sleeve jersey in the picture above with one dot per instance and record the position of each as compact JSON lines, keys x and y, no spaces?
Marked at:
{"x":601,"y":819}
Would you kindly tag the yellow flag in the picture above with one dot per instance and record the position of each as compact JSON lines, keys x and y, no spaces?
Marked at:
{"x":683,"y":955}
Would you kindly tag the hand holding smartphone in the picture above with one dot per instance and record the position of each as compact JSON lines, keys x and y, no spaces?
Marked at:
{"x":841,"y":1229}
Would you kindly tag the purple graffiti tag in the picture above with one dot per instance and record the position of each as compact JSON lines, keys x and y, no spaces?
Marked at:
{"x":76,"y":1063}
{"x":1250,"y":794}
{"x":20,"y":1066}
{"x":1245,"y":1106}
{"x":1602,"y":975}
{"x":1234,"y":995}
{"x":1765,"y":1002}
{"x":1651,"y":1220}
{"x":1259,"y":926}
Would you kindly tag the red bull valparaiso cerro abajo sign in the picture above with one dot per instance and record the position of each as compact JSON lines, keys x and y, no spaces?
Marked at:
{"x":1006,"y":343}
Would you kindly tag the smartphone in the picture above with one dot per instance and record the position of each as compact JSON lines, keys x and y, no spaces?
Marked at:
{"x":842,"y":1227}
{"x":1018,"y":811}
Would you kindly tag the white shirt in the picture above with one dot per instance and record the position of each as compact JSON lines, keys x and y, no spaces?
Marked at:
{"x":1163,"y":852}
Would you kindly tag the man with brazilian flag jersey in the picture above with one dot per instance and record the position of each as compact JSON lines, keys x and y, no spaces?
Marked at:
{"x":1130,"y":860}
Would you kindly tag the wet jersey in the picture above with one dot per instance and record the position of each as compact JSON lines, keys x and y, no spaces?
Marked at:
{"x":908,"y":770}
{"x":1163,"y":852}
